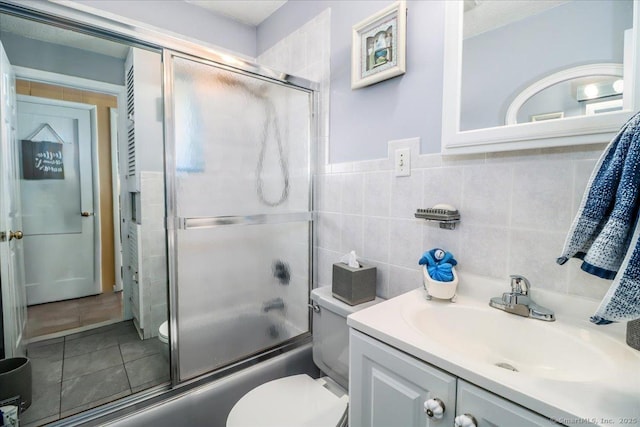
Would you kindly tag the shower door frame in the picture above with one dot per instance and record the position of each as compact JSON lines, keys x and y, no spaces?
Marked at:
{"x":174,"y":223}
{"x":88,"y":20}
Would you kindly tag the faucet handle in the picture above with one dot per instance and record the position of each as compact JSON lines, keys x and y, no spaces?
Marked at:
{"x":520,"y":284}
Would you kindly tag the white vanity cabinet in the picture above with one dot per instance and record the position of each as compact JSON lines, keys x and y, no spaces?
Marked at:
{"x":390,"y":388}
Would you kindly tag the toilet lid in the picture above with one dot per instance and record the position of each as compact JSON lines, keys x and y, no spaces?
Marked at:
{"x":294,"y":401}
{"x":163,"y":332}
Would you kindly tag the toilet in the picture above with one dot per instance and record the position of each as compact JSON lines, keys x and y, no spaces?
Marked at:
{"x":163,"y":336}
{"x":300,"y":400}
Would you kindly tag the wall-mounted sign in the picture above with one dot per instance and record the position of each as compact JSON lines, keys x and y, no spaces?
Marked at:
{"x":42,"y":160}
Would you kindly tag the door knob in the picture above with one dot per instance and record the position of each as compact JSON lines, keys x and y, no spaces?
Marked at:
{"x":18,"y":235}
{"x":85,"y":213}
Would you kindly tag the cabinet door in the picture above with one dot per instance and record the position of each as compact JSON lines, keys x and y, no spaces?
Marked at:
{"x":491,"y":410}
{"x":389,"y":388}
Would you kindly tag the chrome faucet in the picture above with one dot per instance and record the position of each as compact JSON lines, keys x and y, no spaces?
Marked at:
{"x":519,"y":302}
{"x":274,"y":304}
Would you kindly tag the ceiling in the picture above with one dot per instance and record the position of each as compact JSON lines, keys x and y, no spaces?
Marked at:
{"x":250,"y":12}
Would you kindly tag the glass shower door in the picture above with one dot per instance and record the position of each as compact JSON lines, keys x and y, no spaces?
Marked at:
{"x":242,"y":212}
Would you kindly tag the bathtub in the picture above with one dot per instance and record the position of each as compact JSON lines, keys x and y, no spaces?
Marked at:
{"x":209,"y":404}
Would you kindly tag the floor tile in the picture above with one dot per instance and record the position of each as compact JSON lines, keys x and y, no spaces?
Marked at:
{"x":44,"y":350}
{"x":136,"y":349}
{"x":89,"y":344}
{"x":100,"y":330}
{"x":45,"y":403}
{"x":147,"y":369}
{"x":91,"y":362}
{"x":93,"y":387}
{"x":45,"y":371}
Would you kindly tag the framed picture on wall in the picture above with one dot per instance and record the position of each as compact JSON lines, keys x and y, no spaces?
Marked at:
{"x":378,"y":50}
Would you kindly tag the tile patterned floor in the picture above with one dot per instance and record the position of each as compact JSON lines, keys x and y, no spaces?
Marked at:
{"x":90,"y":368}
{"x":49,"y":318}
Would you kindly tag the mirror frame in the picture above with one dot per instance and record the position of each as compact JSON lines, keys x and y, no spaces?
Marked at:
{"x":553,"y":133}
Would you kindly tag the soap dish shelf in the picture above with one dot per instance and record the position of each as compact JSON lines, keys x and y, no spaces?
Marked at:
{"x":444,"y":217}
{"x":447,"y":224}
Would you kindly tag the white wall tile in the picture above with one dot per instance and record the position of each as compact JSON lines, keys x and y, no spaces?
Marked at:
{"x":377,"y":186}
{"x":324,"y":265}
{"x":405,"y":242}
{"x":403,"y":280}
{"x":435,"y":237}
{"x":382,"y":277}
{"x":542,"y":196}
{"x":352,"y":235}
{"x":407,"y":194}
{"x":352,"y":193}
{"x":376,"y":239}
{"x":329,"y":229}
{"x":484,"y":250}
{"x":533,"y":254}
{"x":443,"y":185}
{"x":329,"y":193}
{"x":487,"y":194}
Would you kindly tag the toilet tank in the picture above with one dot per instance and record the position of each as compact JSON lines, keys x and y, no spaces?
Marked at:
{"x":331,"y":334}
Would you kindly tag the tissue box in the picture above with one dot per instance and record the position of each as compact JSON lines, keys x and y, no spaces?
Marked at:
{"x":354,"y":285}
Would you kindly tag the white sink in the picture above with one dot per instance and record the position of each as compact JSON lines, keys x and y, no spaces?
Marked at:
{"x":570,"y":368}
{"x":523,"y":345}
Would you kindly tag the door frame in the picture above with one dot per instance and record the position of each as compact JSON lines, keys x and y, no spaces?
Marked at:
{"x":120,"y":93}
{"x":93,"y":119}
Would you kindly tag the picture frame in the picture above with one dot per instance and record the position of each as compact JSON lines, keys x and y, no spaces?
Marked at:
{"x":378,"y":49}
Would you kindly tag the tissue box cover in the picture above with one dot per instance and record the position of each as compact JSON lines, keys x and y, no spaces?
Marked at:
{"x":354,"y":285}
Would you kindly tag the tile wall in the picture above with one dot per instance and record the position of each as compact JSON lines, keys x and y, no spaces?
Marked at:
{"x":516,"y":209}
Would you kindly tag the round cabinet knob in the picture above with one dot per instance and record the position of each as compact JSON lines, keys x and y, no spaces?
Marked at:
{"x":16,"y":235}
{"x":466,"y":420}
{"x":434,"y":408}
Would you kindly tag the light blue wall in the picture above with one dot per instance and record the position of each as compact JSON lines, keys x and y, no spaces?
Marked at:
{"x":184,"y":18}
{"x":55,"y":58}
{"x":499,"y":64}
{"x":362,"y":121}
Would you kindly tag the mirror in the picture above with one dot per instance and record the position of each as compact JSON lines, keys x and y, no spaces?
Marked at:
{"x":516,"y":73}
{"x":91,"y":190}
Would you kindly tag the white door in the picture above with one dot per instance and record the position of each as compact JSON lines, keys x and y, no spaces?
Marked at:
{"x":57,"y":208}
{"x":14,"y":305}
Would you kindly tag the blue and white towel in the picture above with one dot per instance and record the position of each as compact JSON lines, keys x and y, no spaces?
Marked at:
{"x":604,"y":233}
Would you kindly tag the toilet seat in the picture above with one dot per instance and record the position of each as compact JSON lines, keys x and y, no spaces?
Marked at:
{"x":295,"y":401}
{"x":163,"y":332}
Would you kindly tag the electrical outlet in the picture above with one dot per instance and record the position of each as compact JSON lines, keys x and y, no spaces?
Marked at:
{"x":403,"y":162}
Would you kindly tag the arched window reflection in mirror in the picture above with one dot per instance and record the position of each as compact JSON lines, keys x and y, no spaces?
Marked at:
{"x":497,"y":50}
{"x":578,"y":91}
{"x":87,"y":299}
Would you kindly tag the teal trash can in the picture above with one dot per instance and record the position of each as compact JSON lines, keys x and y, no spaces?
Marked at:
{"x":15,"y":380}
